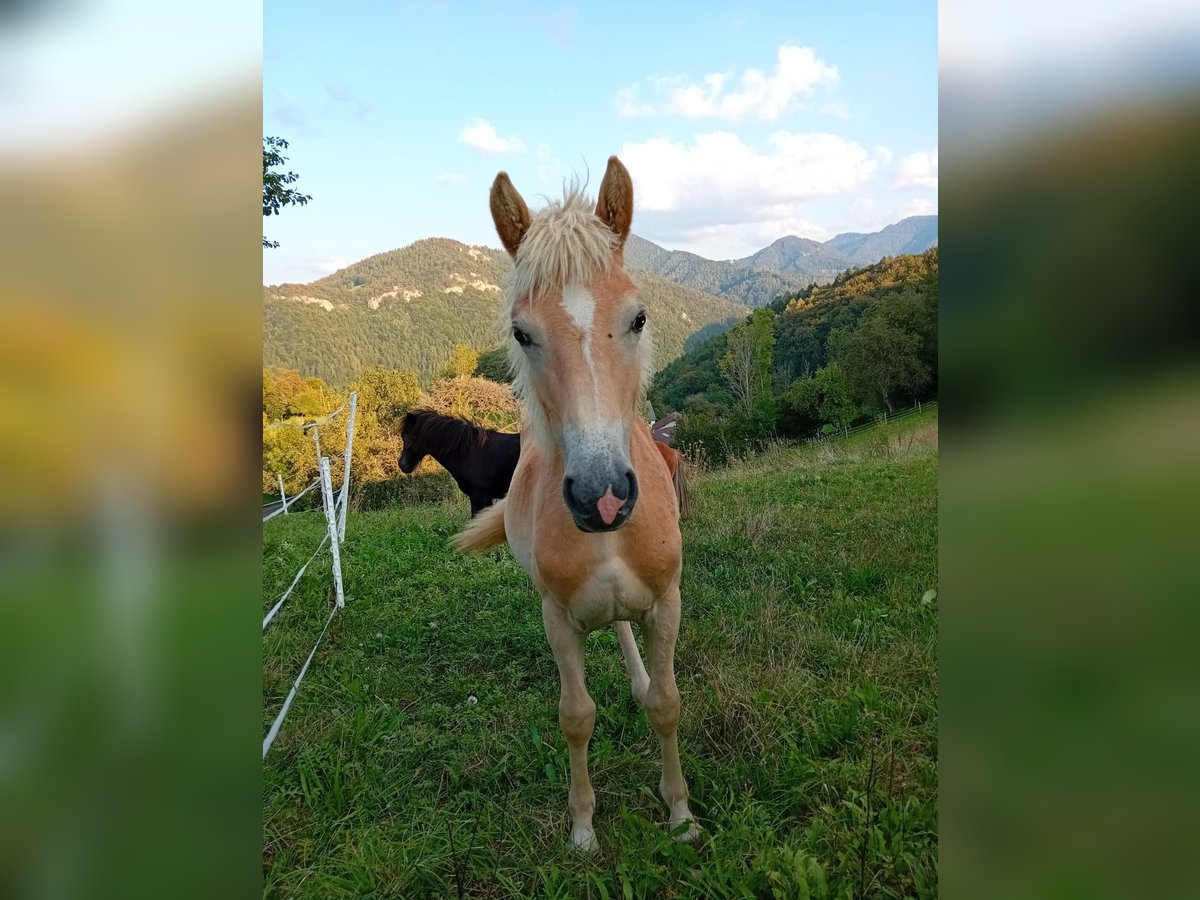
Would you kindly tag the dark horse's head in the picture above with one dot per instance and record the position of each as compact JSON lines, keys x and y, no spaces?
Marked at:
{"x":427,"y":433}
{"x":410,"y":456}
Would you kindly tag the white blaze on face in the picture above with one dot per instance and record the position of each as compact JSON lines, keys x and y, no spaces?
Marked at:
{"x":581,"y":307}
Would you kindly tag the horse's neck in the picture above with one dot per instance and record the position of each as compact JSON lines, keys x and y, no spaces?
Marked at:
{"x":450,"y":460}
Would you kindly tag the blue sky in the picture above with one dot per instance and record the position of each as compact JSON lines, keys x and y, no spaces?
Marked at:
{"x":739,"y":123}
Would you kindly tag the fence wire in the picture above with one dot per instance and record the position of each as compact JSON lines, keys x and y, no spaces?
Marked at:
{"x":334,"y":507}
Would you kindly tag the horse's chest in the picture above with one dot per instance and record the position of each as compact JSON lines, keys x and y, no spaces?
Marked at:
{"x":597,"y":592}
{"x":610,"y":593}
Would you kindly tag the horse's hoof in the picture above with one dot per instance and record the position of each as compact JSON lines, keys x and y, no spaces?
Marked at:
{"x":584,"y":840}
{"x":688,"y":835}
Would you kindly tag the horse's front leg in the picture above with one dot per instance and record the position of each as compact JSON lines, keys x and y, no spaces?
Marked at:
{"x":576,"y":717}
{"x":661,"y":627}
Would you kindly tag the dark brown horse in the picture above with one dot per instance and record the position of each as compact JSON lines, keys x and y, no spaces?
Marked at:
{"x":480,"y":461}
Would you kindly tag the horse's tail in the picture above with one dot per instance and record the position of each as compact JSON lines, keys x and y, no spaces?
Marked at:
{"x":484,"y":532}
{"x":679,"y":479}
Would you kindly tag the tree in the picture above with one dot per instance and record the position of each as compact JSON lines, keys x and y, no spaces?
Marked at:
{"x":272,"y":403}
{"x":746,"y":364}
{"x":290,"y":452}
{"x":493,"y":365}
{"x":882,"y":355}
{"x":384,"y":396}
{"x":387,"y":394}
{"x":477,"y":400}
{"x":276,"y":193}
{"x":288,"y":385}
{"x":463,"y":362}
{"x":826,"y":398}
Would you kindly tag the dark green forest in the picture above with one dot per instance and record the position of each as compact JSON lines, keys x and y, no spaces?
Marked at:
{"x":823,"y":358}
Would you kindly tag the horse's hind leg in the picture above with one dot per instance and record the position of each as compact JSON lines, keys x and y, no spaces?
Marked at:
{"x":576,"y":717}
{"x":639,"y":681}
{"x":661,"y":627}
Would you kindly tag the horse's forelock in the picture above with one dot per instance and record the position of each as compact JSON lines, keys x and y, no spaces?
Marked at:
{"x":566,"y":243}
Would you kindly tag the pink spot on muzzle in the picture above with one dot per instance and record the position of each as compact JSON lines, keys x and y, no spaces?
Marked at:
{"x":609,"y":506}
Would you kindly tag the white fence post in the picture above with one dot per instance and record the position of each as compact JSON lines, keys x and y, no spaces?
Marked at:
{"x":317,"y":440}
{"x":345,"y":498}
{"x":282,"y":495}
{"x":331,"y":521}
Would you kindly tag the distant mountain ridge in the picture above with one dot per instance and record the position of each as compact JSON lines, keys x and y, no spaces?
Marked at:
{"x":408,"y":308}
{"x":913,"y":235}
{"x":787,"y":265}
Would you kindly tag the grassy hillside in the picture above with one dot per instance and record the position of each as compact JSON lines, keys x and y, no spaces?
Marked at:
{"x":806,"y":663}
{"x":406,"y":309}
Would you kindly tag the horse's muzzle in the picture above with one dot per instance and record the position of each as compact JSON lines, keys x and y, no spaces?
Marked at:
{"x":597,"y":507}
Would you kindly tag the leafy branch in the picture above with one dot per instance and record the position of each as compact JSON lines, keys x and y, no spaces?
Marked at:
{"x":276,"y":193}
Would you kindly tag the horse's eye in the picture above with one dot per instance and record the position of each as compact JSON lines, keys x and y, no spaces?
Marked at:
{"x":521,"y":337}
{"x":640,"y":322}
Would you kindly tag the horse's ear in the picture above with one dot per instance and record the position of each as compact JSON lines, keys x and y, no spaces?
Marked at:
{"x":615,"y":204}
{"x":509,"y":212}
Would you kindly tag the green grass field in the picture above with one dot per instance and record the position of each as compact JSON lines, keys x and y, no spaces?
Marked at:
{"x":807,"y":666}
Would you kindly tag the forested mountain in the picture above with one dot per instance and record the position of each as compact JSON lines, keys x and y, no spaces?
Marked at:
{"x":734,"y":280}
{"x":826,"y":355}
{"x":793,"y":255}
{"x":789,"y":264}
{"x":916,"y":234}
{"x":408,"y":308}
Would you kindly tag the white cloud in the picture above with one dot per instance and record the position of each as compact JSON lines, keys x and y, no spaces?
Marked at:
{"x":917,"y":170}
{"x":837,"y":110}
{"x":721,"y":198}
{"x":865,"y":214}
{"x":628,"y":105}
{"x":453,"y":179}
{"x":917,"y":207}
{"x":718,"y":171}
{"x":482,"y":135}
{"x":757,"y":95}
{"x":884,"y":153}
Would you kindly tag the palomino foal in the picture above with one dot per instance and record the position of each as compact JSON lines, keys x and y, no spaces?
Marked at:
{"x":591,"y":514}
